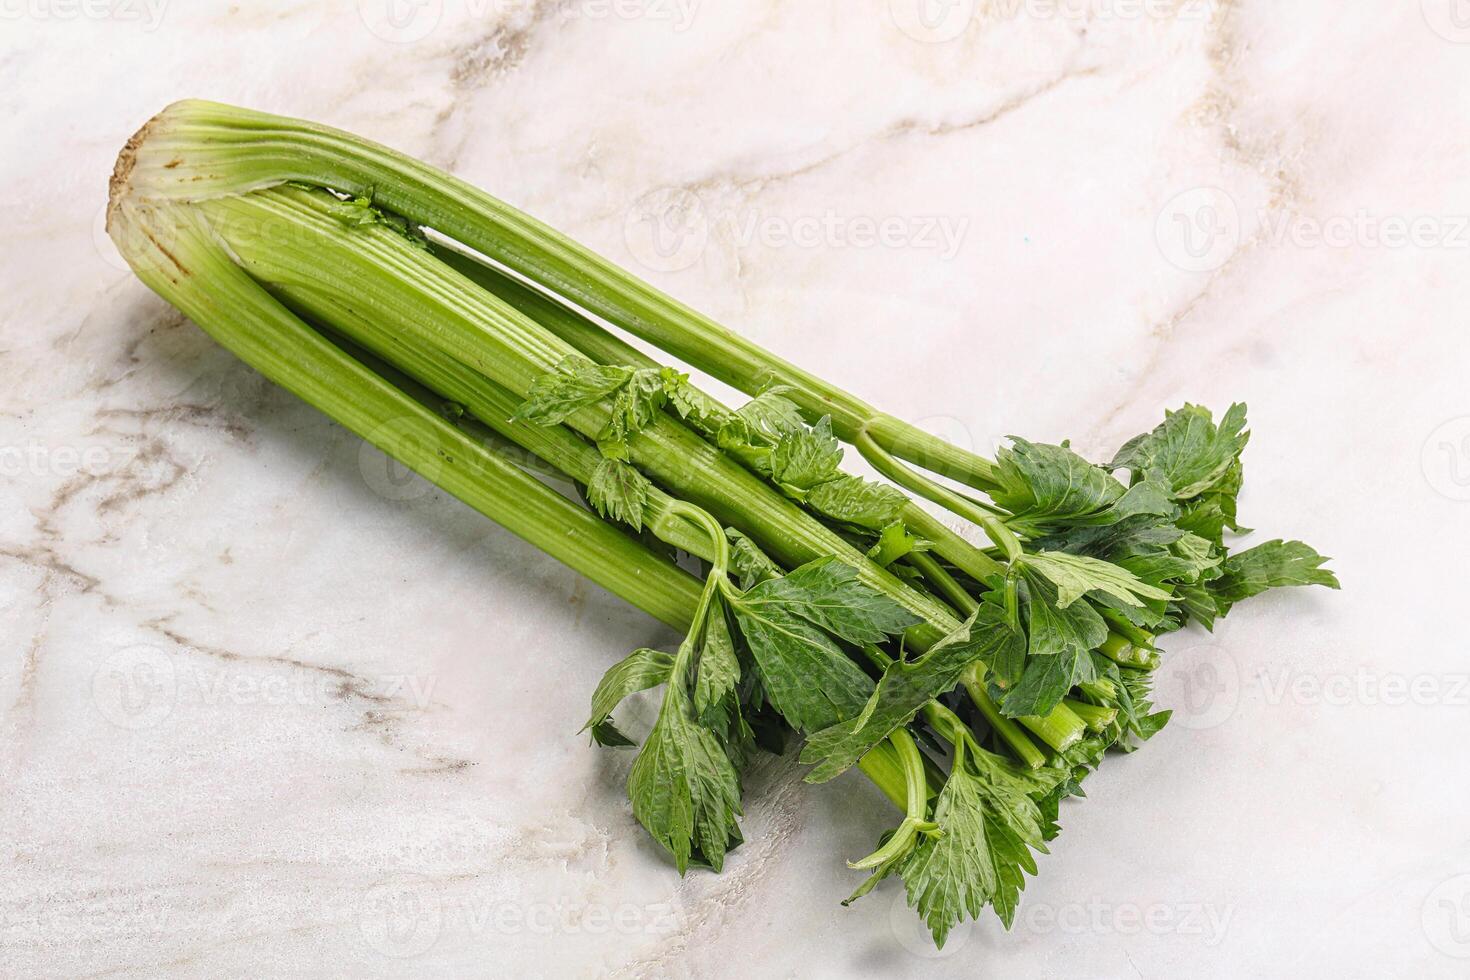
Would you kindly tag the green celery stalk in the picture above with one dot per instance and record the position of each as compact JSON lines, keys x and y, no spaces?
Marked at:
{"x":600,"y":345}
{"x":288,"y":239}
{"x":175,"y":253}
{"x":1097,"y":718}
{"x":393,"y":296}
{"x":196,"y":150}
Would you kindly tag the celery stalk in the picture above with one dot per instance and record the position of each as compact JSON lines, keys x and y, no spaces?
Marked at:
{"x":174,"y":253}
{"x":198,"y":149}
{"x":288,"y":239}
{"x":600,"y":345}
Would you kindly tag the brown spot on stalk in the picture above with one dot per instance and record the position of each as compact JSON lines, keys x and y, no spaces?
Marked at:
{"x":171,"y":257}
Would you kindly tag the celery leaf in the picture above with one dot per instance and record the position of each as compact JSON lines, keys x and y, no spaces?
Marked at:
{"x":906,"y":686}
{"x":618,"y":491}
{"x":1268,"y":566}
{"x":638,"y":671}
{"x":1076,"y":575}
{"x":684,"y":788}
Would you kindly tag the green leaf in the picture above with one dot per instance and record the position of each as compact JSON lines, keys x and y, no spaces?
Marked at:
{"x":1046,"y":680}
{"x":1160,"y":554}
{"x":894,"y":542}
{"x":790,"y":623}
{"x":1127,"y":691}
{"x":695,"y":407}
{"x":807,"y":677}
{"x":757,"y":428}
{"x":806,"y":457}
{"x":1140,"y":718}
{"x":719,"y":668}
{"x":1076,"y":575}
{"x":1047,"y":487}
{"x":638,"y":671}
{"x":1058,"y":641}
{"x":357,"y":212}
{"x":635,"y":405}
{"x":1268,"y":566}
{"x":574,"y":385}
{"x":1164,"y":557}
{"x":1146,"y":498}
{"x":1007,"y":661}
{"x":606,"y":734}
{"x":1054,"y":629}
{"x":618,"y":491}
{"x":1188,"y":452}
{"x":636,"y":397}
{"x":771,"y":415}
{"x":360,"y":212}
{"x":853,"y":500}
{"x":1209,"y":514}
{"x":1197,"y":602}
{"x":736,"y":439}
{"x":750,"y":564}
{"x":828,"y":593}
{"x":905,"y":688}
{"x":1153,"y":551}
{"x":770,"y":438}
{"x":684,"y":788}
{"x":1051,"y":481}
{"x":990,"y":826}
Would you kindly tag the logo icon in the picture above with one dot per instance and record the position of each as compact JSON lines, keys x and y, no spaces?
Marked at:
{"x":932,"y":21}
{"x":667,"y":229}
{"x":1445,"y":917}
{"x":1446,"y":459}
{"x":1199,"y":229}
{"x":1450,"y":19}
{"x":1202,"y":686}
{"x":382,"y":471}
{"x":401,"y":917}
{"x":400,"y":21}
{"x":135,"y":688}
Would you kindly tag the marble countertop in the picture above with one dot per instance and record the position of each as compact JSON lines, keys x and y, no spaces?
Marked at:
{"x":270,"y":708}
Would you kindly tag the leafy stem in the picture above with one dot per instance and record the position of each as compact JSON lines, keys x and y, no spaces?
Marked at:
{"x":916,"y":482}
{"x":711,"y":527}
{"x":944,"y":583}
{"x":916,"y":819}
{"x":1008,"y":730}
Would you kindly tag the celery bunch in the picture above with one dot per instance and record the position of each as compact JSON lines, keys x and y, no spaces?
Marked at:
{"x":974,"y":685}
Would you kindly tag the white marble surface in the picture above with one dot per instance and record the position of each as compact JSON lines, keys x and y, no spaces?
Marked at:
{"x":268,"y":710}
